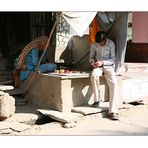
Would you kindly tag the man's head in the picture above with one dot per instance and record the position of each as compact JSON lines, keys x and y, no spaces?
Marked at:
{"x":100,"y":37}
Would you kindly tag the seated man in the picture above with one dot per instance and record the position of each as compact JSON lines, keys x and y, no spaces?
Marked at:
{"x":102,"y":60}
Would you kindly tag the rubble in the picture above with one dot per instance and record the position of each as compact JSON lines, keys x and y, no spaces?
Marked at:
{"x":7,"y":105}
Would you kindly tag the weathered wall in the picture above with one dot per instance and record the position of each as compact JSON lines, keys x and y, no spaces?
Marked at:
{"x":71,"y":49}
{"x":62,"y":38}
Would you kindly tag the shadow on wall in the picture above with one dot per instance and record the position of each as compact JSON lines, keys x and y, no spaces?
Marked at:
{"x":77,"y":53}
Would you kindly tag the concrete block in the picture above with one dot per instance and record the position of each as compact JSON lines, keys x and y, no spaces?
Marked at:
{"x":18,"y":127}
{"x":62,"y":117}
{"x":62,"y":93}
{"x":86,"y":110}
{"x":7,"y":105}
{"x":7,"y":127}
{"x":134,"y":89}
{"x":6,"y":87}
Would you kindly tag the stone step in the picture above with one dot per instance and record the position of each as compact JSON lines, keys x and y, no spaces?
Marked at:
{"x":19,"y":101}
{"x":6,"y":87}
{"x":136,"y":67}
{"x":134,"y":82}
{"x":88,"y":109}
{"x":134,"y":86}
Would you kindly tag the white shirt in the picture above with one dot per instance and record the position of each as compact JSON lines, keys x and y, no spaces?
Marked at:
{"x":105,"y":53}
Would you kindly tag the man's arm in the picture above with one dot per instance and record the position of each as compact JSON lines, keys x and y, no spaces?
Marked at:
{"x":92,"y":59}
{"x":92,"y":54}
{"x":113,"y":51}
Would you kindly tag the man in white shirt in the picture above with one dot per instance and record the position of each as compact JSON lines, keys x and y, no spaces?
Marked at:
{"x":102,"y":60}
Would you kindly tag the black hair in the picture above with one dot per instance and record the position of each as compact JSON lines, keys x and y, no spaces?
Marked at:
{"x":100,"y":36}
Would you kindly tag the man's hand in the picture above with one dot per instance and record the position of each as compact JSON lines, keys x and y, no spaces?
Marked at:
{"x":99,"y":63}
{"x":96,"y":64}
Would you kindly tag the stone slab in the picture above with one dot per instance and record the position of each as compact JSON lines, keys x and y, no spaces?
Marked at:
{"x":26,"y":114}
{"x":27,"y":118}
{"x":7,"y":127}
{"x":5,"y":131}
{"x":4,"y":125}
{"x":18,"y":127}
{"x":87,"y":110}
{"x":6,"y":87}
{"x":59,"y":116}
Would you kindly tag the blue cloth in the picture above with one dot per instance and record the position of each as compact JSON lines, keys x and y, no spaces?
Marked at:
{"x":47,"y":67}
{"x":24,"y":74}
{"x":32,"y":59}
{"x":31,"y":62}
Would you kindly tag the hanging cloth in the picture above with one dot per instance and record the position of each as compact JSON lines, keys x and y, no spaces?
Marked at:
{"x":93,"y":29}
{"x":79,"y":21}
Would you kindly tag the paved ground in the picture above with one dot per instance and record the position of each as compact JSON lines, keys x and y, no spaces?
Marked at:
{"x":133,"y":121}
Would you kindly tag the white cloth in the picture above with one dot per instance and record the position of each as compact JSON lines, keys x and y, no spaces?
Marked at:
{"x":79,"y":21}
{"x":73,"y":32}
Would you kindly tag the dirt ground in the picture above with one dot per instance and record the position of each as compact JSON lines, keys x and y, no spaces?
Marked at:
{"x":133,"y":121}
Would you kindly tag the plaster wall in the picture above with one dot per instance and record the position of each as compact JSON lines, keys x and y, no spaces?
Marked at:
{"x":71,"y":48}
